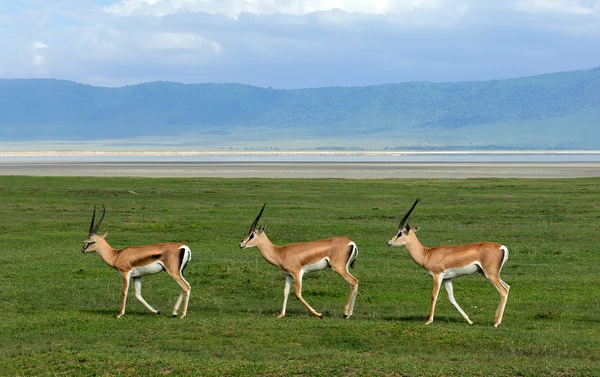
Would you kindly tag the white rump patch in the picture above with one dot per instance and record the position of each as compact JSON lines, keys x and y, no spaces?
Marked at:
{"x":505,"y":257}
{"x":187,"y":257}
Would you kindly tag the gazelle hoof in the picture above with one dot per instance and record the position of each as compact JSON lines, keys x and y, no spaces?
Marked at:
{"x":158,"y":313}
{"x":320,"y":315}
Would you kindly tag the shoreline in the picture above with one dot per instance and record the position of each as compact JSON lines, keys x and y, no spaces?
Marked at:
{"x":300,"y":170}
{"x":285,"y":153}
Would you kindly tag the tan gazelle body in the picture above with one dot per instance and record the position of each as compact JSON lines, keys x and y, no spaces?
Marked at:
{"x":297,"y":259}
{"x":137,"y":261}
{"x":444,"y":263}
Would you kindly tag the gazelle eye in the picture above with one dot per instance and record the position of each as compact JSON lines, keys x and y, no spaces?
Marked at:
{"x":251,"y":236}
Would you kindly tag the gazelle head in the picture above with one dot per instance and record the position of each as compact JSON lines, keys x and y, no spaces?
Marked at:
{"x":90,"y":241}
{"x":253,"y":233}
{"x":404,"y":230}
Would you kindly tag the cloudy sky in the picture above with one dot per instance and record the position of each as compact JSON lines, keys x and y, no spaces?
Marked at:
{"x":295,"y":43}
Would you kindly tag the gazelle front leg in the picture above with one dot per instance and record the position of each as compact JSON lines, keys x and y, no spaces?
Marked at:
{"x":450,"y":290}
{"x":137,"y":283}
{"x":298,"y":280}
{"x":125,"y":288}
{"x":437,"y":283}
{"x":286,"y":293}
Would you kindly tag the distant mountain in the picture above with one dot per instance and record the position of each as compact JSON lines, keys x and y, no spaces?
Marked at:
{"x":559,"y":110}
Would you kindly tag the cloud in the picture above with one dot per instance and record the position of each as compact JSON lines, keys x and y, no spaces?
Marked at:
{"x":560,"y":6}
{"x":233,"y":8}
{"x":295,"y":43}
{"x":38,"y":58}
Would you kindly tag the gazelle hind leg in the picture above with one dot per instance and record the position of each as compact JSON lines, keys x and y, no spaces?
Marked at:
{"x":184,"y":296}
{"x":354,"y":291}
{"x":137,"y":283}
{"x":178,"y":302}
{"x":503,"y":289}
{"x":450,"y":290}
{"x":185,"y":257}
{"x":353,"y":283}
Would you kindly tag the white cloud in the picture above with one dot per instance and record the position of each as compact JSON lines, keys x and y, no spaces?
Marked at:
{"x":298,"y":43}
{"x":233,"y":8}
{"x":38,"y":45}
{"x":110,"y":43}
{"x":560,"y":6}
{"x":38,"y":57}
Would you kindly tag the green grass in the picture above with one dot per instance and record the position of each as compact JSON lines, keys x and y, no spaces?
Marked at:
{"x":59,"y":306}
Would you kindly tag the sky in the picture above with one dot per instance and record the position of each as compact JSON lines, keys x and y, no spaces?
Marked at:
{"x":295,"y":43}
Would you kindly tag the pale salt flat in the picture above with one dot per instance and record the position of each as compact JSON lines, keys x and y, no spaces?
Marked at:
{"x":304,"y":164}
{"x":350,"y":170}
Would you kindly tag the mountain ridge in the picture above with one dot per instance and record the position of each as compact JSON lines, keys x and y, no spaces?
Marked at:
{"x":554,"y":110}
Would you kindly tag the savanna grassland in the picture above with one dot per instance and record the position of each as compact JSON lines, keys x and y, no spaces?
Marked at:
{"x":59,"y":307}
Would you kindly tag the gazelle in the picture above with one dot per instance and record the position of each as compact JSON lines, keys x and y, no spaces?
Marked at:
{"x":137,"y":261}
{"x":294,"y":260}
{"x":446,"y":262}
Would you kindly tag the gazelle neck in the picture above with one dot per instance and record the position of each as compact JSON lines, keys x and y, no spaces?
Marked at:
{"x":415,"y":249}
{"x":267,"y":249}
{"x":106,"y":252}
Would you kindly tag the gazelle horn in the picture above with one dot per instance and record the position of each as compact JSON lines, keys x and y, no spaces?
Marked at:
{"x":408,"y":214}
{"x":91,"y":232}
{"x":94,"y":229}
{"x":253,"y":226}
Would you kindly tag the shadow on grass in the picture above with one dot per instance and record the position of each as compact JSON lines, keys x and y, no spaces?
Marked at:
{"x":403,"y":318}
{"x":422,"y":319}
{"x":267,"y":313}
{"x":114,"y":313}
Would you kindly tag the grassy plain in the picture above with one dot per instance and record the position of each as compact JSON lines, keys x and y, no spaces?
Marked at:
{"x":59,"y":306}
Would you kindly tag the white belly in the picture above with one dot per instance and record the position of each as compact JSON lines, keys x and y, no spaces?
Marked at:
{"x":323,"y":263}
{"x":149,"y":269}
{"x":461,"y":271}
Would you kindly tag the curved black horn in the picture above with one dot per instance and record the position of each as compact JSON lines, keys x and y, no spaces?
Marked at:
{"x":253,"y":226}
{"x":92,"y":224}
{"x":101,"y":218}
{"x":408,"y":214}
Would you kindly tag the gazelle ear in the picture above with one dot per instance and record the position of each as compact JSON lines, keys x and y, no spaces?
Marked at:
{"x":105,"y":234}
{"x":416,"y":229}
{"x":407,"y":228}
{"x":262,"y":229}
